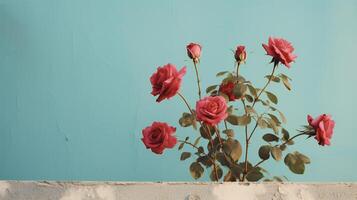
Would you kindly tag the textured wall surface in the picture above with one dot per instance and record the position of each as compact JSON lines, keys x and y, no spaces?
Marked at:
{"x":15,"y":190}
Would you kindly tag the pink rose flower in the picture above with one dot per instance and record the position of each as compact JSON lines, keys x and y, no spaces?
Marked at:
{"x":240,"y":54}
{"x":166,"y":81}
{"x":194,"y":51}
{"x":211,"y":110}
{"x":158,"y":137}
{"x":323,"y":126}
{"x":227,"y":89}
{"x":281,"y":51}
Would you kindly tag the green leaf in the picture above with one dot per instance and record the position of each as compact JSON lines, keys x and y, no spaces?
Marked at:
{"x":232,"y":148}
{"x":254,"y":175}
{"x":229,"y":177}
{"x":222,"y":159}
{"x":275,"y":119}
{"x":236,"y":170}
{"x":211,"y":88}
{"x":295,"y":164}
{"x":264,"y":152}
{"x":274,"y":78}
{"x":262,"y":123}
{"x":285,"y":133}
{"x":185,"y":155}
{"x":282,"y":116}
{"x":206,"y":132}
{"x":273,"y":125}
{"x":252,"y":90}
{"x":282,"y":147}
{"x":205,"y":160}
{"x":196,"y":170}
{"x":181,"y":146}
{"x":285,"y":80}
{"x":250,"y":110}
{"x":187,"y":119}
{"x":218,"y":171}
{"x":302,"y":157}
{"x":229,"y":132}
{"x":249,"y":98}
{"x":239,"y":120}
{"x":272,"y":97}
{"x":239,"y":90}
{"x":276,"y":153}
{"x":221,"y":74}
{"x":224,"y":96}
{"x":270,"y":137}
{"x":197,"y":141}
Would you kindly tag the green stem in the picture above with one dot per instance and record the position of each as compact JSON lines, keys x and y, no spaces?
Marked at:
{"x":246,"y":146}
{"x":238,"y":64}
{"x":290,"y":139}
{"x":186,"y":102}
{"x":198,"y":80}
{"x":266,"y":85}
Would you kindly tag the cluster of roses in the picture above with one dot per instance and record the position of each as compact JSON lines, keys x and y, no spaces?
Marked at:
{"x":213,"y":109}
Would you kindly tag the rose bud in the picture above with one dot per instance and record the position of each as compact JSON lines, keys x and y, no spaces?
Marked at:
{"x":166,"y":81}
{"x":158,"y":137}
{"x":240,"y":54}
{"x":227,"y":89}
{"x":211,"y":110}
{"x":281,"y":51}
{"x":323,"y":127}
{"x":194,"y":51}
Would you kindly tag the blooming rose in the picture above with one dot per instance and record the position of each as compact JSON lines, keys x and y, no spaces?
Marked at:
{"x":194,"y":51}
{"x":281,"y":51}
{"x":323,"y":126}
{"x":166,"y":81}
{"x":227,"y":89}
{"x":159,"y":136}
{"x":211,"y":110}
{"x":240,"y":54}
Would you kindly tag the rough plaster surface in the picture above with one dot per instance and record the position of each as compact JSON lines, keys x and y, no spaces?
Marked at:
{"x":32,"y":190}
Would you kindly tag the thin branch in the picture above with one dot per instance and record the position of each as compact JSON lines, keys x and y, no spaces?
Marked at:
{"x":266,"y":85}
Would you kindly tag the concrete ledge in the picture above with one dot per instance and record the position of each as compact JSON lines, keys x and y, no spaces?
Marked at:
{"x":38,"y":190}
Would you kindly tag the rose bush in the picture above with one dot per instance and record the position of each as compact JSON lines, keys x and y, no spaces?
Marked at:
{"x":232,"y":106}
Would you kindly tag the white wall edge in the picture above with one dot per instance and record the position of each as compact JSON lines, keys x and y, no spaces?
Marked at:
{"x":88,"y":190}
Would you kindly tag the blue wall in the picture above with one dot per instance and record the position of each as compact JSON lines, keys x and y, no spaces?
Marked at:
{"x":74,"y":89}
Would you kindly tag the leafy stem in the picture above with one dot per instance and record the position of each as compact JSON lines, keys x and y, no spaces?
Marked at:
{"x":290,"y":139}
{"x":245,"y":171}
{"x":287,"y":141}
{"x":266,"y":85}
{"x":192,"y":145}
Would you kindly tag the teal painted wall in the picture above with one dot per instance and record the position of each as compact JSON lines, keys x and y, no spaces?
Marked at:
{"x":74,"y":89}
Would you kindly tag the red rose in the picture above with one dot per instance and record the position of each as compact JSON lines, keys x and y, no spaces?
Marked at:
{"x":194,"y":51}
{"x":211,"y":110}
{"x":323,"y":126}
{"x":281,"y":51}
{"x":240,"y":54}
{"x":158,"y":137}
{"x":227,"y":89}
{"x":166,"y":81}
